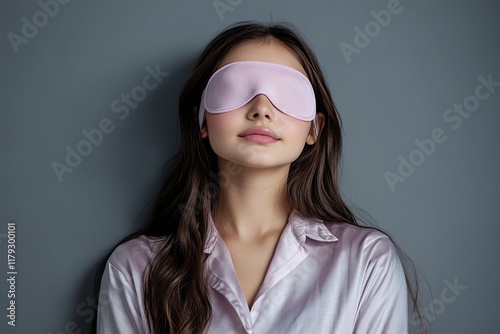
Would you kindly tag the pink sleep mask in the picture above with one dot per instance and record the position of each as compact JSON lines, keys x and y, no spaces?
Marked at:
{"x":235,"y":84}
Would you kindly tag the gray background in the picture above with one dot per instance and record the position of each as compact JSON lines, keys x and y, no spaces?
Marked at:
{"x":393,"y":92}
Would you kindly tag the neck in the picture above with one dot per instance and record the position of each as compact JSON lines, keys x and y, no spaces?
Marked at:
{"x":252,"y":203}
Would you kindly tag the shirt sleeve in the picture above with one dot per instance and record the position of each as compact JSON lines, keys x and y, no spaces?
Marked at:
{"x":118,"y":309}
{"x":383,"y":304}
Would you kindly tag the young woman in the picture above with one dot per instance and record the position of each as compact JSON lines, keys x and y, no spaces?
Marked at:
{"x":249,"y":233}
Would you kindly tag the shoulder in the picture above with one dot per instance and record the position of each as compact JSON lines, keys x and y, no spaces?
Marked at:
{"x":121,"y":303}
{"x":371,"y":262}
{"x":368,"y":254}
{"x":366,"y":244}
{"x":132,"y":257}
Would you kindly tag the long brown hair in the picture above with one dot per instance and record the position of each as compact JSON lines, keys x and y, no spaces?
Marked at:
{"x":175,"y":292}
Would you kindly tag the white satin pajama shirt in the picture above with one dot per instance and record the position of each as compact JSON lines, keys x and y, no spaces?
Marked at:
{"x":324,"y":277}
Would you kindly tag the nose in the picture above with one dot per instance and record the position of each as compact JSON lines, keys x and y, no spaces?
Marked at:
{"x":261,"y":107}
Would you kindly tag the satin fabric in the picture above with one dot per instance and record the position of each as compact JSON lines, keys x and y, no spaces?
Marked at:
{"x":324,"y":277}
{"x":235,"y":84}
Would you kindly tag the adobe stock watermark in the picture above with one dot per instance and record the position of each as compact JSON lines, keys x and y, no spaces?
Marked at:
{"x":437,"y":306}
{"x":121,"y":107}
{"x":453,"y":116}
{"x":372,"y":29}
{"x":223,"y":6}
{"x":12,"y":269}
{"x":31,"y":26}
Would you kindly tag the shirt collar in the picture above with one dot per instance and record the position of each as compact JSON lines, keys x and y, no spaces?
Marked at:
{"x":302,"y":227}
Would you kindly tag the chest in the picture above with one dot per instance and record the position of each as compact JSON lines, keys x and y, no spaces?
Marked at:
{"x":303,"y":294}
{"x":251,"y":262}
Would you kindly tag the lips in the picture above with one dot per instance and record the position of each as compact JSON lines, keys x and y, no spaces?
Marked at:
{"x":259,"y":131}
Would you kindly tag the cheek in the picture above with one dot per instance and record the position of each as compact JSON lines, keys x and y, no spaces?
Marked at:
{"x":221,"y":123}
{"x":300,"y":132}
{"x":220,"y":128}
{"x":299,"y":129}
{"x":224,"y":121}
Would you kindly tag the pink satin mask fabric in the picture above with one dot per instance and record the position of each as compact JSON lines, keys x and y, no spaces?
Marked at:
{"x":235,"y":84}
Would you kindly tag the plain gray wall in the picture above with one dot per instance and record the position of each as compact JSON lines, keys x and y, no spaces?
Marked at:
{"x":392,"y":91}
